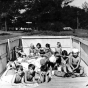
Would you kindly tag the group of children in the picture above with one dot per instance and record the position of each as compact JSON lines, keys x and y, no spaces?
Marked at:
{"x":47,"y":63}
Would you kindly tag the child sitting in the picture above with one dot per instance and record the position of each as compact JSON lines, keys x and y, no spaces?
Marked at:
{"x":64,"y":60}
{"x":58,"y":49}
{"x":45,"y":73}
{"x":30,"y":74}
{"x":75,"y":63}
{"x":32,"y":50}
{"x":42,"y":61}
{"x":18,"y":77}
{"x":38,"y":48}
{"x":48,"y":51}
{"x":21,"y":57}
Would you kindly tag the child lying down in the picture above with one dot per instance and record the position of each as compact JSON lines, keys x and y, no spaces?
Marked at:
{"x":26,"y":77}
{"x":18,"y":77}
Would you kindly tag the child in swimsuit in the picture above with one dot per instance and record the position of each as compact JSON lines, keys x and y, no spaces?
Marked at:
{"x":48,"y":51}
{"x":58,"y":53}
{"x":30,"y":74}
{"x":32,"y":50}
{"x":38,"y":48}
{"x":18,"y":77}
{"x":64,"y":60}
{"x":75,"y":63}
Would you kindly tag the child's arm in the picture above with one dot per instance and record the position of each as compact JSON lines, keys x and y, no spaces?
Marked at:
{"x":67,"y":59}
{"x":13,"y":80}
{"x":34,"y":81}
{"x":22,"y":81}
{"x":63,"y":61}
{"x":71,"y":63}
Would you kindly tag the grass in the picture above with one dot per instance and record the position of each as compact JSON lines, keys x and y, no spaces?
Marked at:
{"x":9,"y":34}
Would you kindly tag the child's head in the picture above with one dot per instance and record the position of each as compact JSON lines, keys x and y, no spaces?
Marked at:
{"x":23,"y":54}
{"x":19,"y":54}
{"x":47,"y":46}
{"x":58,"y":44}
{"x":42,"y":62}
{"x":31,"y":46}
{"x":42,"y":52}
{"x":64,"y":53}
{"x":31,"y":68}
{"x":19,"y":69}
{"x":56,"y":54}
{"x":75,"y":52}
{"x":38,"y":45}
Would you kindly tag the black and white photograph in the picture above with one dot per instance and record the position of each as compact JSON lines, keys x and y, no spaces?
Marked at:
{"x":43,"y":43}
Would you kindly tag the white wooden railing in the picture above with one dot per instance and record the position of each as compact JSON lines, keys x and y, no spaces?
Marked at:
{"x":67,"y":42}
{"x":82,"y":45}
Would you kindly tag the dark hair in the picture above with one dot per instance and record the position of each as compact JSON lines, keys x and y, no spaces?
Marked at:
{"x":38,"y":44}
{"x":42,"y":51}
{"x":31,"y":66}
{"x":19,"y":67}
{"x":59,"y":44}
{"x":55,"y":53}
{"x":64,"y":52}
{"x":19,"y":54}
{"x":47,"y":45}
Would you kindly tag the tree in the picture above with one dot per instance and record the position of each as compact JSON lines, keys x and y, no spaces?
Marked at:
{"x":85,"y":6}
{"x":66,"y":2}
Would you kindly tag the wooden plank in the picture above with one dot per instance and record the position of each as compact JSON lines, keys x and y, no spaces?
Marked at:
{"x":58,"y":82}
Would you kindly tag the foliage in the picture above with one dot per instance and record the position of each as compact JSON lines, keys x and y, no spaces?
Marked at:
{"x":44,"y":14}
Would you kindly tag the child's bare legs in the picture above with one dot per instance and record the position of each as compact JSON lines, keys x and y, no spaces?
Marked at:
{"x":50,"y":72}
{"x":64,"y":69}
{"x":69,"y":68}
{"x":47,"y":77}
{"x":81,"y":70}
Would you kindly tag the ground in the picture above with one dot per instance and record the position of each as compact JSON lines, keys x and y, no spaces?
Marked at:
{"x":58,"y":82}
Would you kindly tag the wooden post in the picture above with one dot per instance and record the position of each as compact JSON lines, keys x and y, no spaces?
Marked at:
{"x":71,"y":41}
{"x":9,"y":49}
{"x":79,"y":48}
{"x":5,"y":25}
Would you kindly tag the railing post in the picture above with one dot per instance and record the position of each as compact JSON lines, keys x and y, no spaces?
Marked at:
{"x":79,"y":48}
{"x":9,"y":50}
{"x":71,"y":41}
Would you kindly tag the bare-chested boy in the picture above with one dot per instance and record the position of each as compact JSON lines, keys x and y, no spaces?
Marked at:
{"x":74,"y":62}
